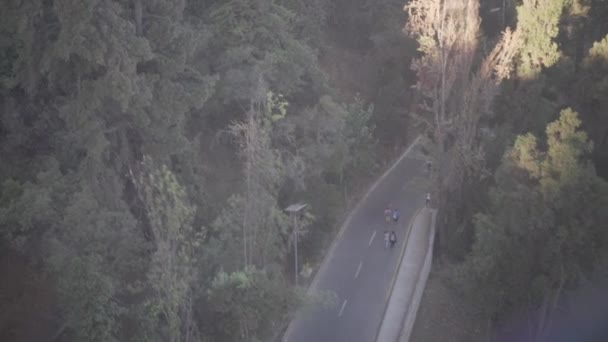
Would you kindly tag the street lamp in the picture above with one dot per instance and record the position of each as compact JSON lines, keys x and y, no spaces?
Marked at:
{"x":293,"y":210}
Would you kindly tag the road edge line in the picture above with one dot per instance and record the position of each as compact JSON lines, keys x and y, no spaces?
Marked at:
{"x":330,"y":251}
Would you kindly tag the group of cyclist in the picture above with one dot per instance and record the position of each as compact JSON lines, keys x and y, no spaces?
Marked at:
{"x":391,"y":214}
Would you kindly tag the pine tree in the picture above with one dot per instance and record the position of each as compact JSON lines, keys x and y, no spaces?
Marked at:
{"x":541,"y":233}
{"x":537,"y":22}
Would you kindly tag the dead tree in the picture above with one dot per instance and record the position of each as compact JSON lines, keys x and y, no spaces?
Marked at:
{"x":455,"y":95}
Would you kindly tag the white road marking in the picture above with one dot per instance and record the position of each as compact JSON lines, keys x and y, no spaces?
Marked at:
{"x":372,"y":238}
{"x":358,"y":269}
{"x":342,"y":309}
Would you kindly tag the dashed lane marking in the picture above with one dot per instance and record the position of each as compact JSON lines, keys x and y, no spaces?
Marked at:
{"x":342,"y":309}
{"x":372,"y":238}
{"x":358,"y":269}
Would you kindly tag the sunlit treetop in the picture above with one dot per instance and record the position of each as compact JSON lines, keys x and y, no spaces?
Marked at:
{"x":537,"y":22}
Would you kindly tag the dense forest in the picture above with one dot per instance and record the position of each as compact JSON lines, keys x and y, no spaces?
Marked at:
{"x":516,"y":104}
{"x":148,"y":149}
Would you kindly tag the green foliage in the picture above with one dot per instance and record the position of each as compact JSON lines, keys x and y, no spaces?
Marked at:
{"x":267,"y":231}
{"x":18,"y":39}
{"x":537,"y":22}
{"x":355,"y":143}
{"x":338,"y":137}
{"x":246,"y":304}
{"x":111,"y":137}
{"x":257,"y":42}
{"x":10,"y":50}
{"x":260,"y":220}
{"x":539,"y":235}
{"x":598,"y":54}
{"x":177,"y":244}
{"x":593,"y":83}
{"x":274,"y":110}
{"x":358,"y":135}
{"x":311,"y":20}
{"x":90,"y":275}
{"x":21,"y":208}
{"x":90,"y":300}
{"x":28,"y":210}
{"x":542,"y":227}
{"x":587,"y":90}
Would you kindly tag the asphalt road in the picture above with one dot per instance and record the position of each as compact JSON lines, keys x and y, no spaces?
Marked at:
{"x":359,"y":269}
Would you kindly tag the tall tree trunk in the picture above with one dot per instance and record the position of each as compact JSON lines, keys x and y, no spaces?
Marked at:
{"x":248,"y":179}
{"x":504,"y":14}
{"x":555,"y":301}
{"x":489,"y":330}
{"x":138,"y":10}
{"x":530,"y":319}
{"x":542,"y":318}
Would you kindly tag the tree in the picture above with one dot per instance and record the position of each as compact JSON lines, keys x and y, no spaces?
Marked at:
{"x":253,"y":40}
{"x":589,"y":91}
{"x":260,"y":218}
{"x":92,"y":311}
{"x":245,"y":303}
{"x":537,"y":22}
{"x":541,"y":233}
{"x":354,"y":148}
{"x":574,"y":30}
{"x":92,"y":278}
{"x":110,"y":168}
{"x":311,"y":20}
{"x":172,"y":270}
{"x":9,"y":54}
{"x":447,"y":34}
{"x":477,"y":103}
{"x":455,"y":94}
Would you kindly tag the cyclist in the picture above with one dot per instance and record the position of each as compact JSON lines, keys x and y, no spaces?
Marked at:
{"x":387,"y":214}
{"x":393,"y":238}
{"x":395,"y":215}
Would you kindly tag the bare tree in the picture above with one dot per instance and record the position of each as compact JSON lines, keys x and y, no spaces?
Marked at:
{"x":477,"y":98}
{"x":447,"y":34}
{"x":262,"y":172}
{"x":454,"y":90}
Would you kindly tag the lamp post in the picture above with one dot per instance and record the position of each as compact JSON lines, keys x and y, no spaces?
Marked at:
{"x":293,"y":210}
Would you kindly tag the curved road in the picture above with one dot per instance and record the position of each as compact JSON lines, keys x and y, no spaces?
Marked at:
{"x":358,"y":268}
